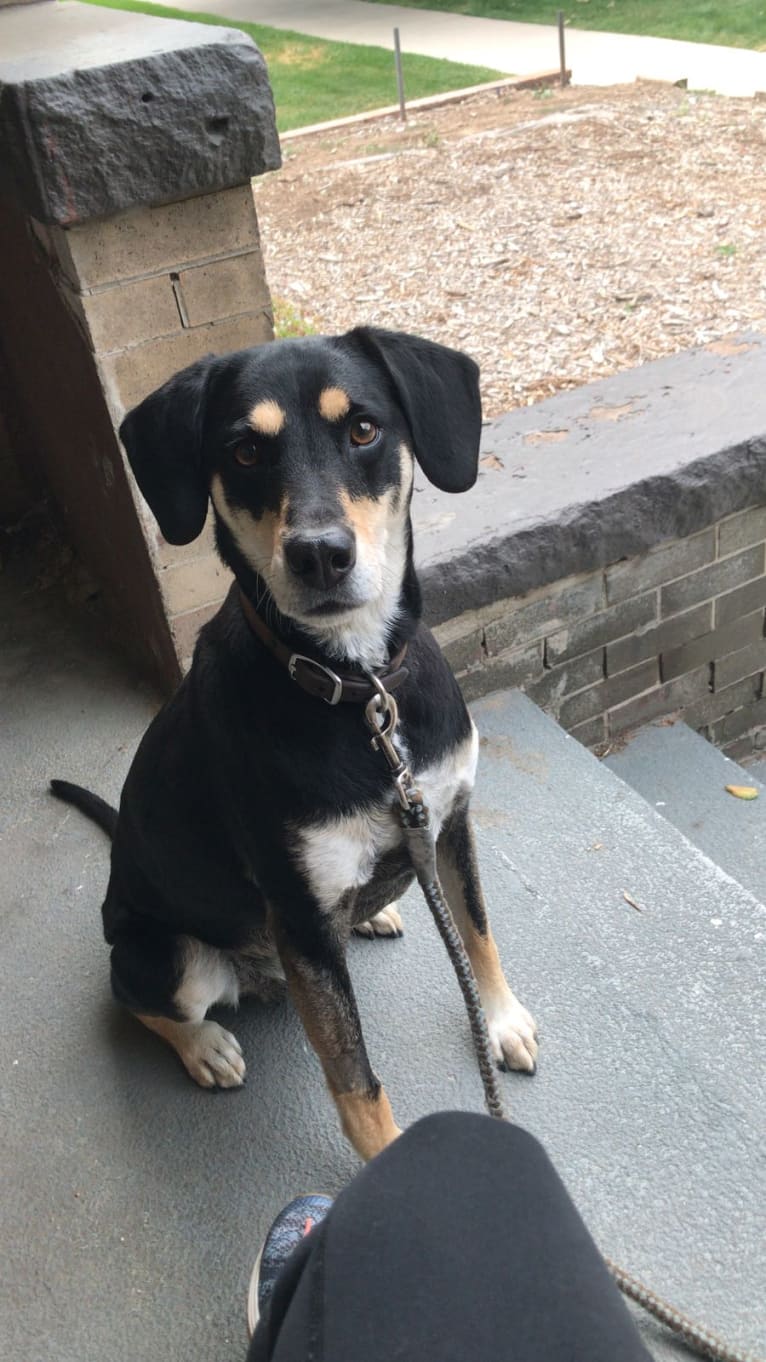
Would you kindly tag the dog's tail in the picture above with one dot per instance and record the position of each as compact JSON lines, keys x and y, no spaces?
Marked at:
{"x":90,"y":804}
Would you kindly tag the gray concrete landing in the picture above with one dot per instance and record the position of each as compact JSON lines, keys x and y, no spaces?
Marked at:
{"x":134,"y":1202}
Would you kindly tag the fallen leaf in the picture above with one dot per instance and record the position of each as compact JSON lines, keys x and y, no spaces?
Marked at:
{"x":742,"y":791}
{"x":491,"y":461}
{"x":629,"y":899}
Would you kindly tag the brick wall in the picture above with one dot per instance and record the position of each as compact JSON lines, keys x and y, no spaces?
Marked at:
{"x":156,"y":289}
{"x":109,"y":309}
{"x":681,"y":628}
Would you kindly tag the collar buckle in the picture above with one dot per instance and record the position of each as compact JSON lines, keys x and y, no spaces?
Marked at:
{"x":317,"y":667}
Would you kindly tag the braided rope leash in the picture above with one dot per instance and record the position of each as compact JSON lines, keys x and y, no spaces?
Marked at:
{"x":381,"y":717}
{"x":697,"y":1336}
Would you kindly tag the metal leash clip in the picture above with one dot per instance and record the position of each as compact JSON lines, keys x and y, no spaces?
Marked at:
{"x":382,"y":716}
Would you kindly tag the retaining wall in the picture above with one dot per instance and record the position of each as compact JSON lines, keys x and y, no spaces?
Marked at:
{"x":612,"y":560}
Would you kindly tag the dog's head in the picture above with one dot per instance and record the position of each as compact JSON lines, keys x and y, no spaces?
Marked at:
{"x":306,"y":449}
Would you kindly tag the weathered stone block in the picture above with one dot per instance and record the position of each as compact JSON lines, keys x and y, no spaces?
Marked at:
{"x":547,"y":612}
{"x":585,"y":704}
{"x":707,"y":709}
{"x":660,"y":701}
{"x":224,"y":288}
{"x":710,"y":646}
{"x":659,"y":566}
{"x":741,"y":748}
{"x":739,"y":531}
{"x":612,"y":623}
{"x":741,"y":601}
{"x":187,"y":586}
{"x":743,"y":663}
{"x":651,"y":642}
{"x":684,"y":458}
{"x":711,"y":581}
{"x":80,"y":93}
{"x":129,"y":314}
{"x":147,"y":241}
{"x":738,"y":721}
{"x":465,"y":652}
{"x":556,"y":682}
{"x":510,"y":669}
{"x":592,"y":732}
{"x":131,"y":374}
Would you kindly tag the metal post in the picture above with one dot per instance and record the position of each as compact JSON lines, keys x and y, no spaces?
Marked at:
{"x":399,"y":75}
{"x":562,"y":53}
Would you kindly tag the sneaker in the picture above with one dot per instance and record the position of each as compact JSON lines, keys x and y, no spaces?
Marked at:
{"x":291,"y":1225}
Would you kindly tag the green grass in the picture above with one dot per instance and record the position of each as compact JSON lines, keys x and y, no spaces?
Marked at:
{"x":314,"y":80}
{"x":288,"y":321}
{"x":735,"y":23}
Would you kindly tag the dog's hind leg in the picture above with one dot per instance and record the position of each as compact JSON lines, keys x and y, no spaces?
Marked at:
{"x":512,"y":1031}
{"x":170,"y":983}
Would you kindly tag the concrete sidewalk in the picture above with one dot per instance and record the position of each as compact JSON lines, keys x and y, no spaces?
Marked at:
{"x":519,"y":49}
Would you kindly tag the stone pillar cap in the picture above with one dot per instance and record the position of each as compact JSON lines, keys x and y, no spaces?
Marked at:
{"x":103,"y":110}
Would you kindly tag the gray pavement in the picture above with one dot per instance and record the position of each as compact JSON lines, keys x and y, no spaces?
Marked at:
{"x":518,"y":49}
{"x":134,"y":1202}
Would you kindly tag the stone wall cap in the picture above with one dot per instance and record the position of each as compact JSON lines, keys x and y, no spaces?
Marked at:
{"x":103,"y":110}
{"x":600,"y":473}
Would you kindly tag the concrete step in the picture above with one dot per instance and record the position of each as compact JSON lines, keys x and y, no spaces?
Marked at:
{"x":684,"y":777}
{"x":649,"y":1015}
{"x":137,"y":1201}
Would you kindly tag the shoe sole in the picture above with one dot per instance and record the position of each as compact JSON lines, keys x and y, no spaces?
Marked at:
{"x":253,"y":1313}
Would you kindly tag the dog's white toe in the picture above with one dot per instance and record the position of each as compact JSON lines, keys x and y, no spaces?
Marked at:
{"x":388,"y":922}
{"x":211,"y":1056}
{"x":512,"y":1035}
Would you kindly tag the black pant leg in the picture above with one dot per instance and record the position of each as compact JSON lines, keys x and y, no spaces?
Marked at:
{"x":458,"y":1244}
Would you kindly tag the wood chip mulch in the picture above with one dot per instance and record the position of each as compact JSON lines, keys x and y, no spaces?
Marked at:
{"x":556,"y":236}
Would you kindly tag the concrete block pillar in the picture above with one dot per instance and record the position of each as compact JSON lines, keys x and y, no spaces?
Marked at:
{"x":130,"y":248}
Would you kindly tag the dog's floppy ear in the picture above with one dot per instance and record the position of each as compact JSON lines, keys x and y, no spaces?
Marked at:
{"x":438,"y":391}
{"x":163,"y":440}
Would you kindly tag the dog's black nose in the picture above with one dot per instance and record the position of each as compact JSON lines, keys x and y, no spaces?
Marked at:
{"x":322,"y":560}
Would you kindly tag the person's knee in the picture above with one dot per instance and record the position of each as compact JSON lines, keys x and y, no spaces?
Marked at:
{"x":466,"y":1139}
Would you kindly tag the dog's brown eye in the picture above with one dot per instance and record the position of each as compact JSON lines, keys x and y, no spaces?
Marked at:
{"x":246,"y":454}
{"x":363,"y":432}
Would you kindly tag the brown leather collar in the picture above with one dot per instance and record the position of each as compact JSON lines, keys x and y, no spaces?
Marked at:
{"x":317,"y":679}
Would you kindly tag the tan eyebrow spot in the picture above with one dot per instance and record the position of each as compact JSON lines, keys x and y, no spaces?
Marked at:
{"x":267,"y":417}
{"x":334,"y":404}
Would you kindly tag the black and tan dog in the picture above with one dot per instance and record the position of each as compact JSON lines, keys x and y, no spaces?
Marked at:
{"x":257,"y":827}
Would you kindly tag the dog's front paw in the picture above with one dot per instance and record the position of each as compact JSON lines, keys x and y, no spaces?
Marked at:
{"x":387,"y":922}
{"x":512,"y":1035}
{"x":210,"y":1055}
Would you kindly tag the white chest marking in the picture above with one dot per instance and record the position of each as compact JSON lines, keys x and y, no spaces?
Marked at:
{"x":341,"y":853}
